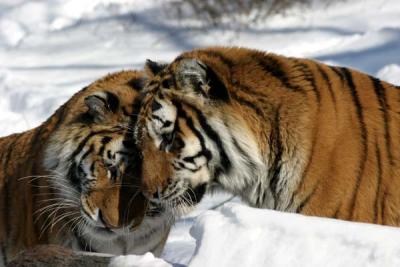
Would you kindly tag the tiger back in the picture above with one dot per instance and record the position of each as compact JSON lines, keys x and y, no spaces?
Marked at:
{"x":283,"y":133}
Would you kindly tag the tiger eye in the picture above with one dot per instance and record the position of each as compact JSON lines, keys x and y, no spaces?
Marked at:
{"x":177,"y":145}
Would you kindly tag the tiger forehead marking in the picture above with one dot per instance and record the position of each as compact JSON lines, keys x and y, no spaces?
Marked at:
{"x":283,"y":133}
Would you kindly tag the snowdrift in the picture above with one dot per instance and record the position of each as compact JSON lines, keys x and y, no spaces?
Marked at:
{"x":237,"y":235}
{"x":241,"y":236}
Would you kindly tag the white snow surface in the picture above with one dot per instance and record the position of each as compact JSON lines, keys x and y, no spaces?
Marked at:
{"x":241,"y":236}
{"x":50,"y":49}
{"x":146,"y":260}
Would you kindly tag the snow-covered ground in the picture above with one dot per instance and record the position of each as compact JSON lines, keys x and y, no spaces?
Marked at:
{"x":49,"y":49}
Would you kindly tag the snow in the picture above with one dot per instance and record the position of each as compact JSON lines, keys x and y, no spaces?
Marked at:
{"x":50,"y":49}
{"x":146,"y":260}
{"x":241,"y":236}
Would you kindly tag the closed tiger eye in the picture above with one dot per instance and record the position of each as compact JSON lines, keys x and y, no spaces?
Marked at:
{"x":177,"y":145}
{"x":167,"y":140}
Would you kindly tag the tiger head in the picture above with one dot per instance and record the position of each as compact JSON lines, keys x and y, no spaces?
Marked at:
{"x":93,"y":160}
{"x":183,"y":135}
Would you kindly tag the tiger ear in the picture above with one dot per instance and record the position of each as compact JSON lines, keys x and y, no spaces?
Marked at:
{"x":196,"y":76}
{"x":153,"y":68}
{"x":101,"y":104}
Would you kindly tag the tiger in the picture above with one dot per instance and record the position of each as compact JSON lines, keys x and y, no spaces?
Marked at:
{"x":282,"y":133}
{"x":73,"y":180}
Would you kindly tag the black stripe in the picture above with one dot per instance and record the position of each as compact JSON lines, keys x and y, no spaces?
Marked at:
{"x":381,"y":95}
{"x":125,"y":153}
{"x":363,"y":129}
{"x":276,"y":153}
{"x":61,"y":114}
{"x":92,"y":167}
{"x":86,"y":139}
{"x":192,"y":158}
{"x":101,"y":98}
{"x":243,"y":153}
{"x":338,"y":73}
{"x":244,"y":88}
{"x":325,"y":77}
{"x":90,"y":150}
{"x":37,"y":139}
{"x":176,"y":167}
{"x":105,"y":140}
{"x":274,"y":68}
{"x":189,"y":122}
{"x":308,"y":76}
{"x":306,"y":169}
{"x":213,"y":135}
{"x":250,"y":104}
{"x":166,"y":123}
{"x":379,"y":180}
{"x":195,"y":194}
{"x":73,"y":178}
{"x":101,"y":150}
{"x":183,"y":166}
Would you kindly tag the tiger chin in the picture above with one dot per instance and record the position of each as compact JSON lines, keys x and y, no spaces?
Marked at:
{"x":73,"y":181}
{"x":283,"y":133}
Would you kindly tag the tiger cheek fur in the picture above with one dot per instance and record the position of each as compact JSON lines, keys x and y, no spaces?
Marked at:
{"x":286,"y":133}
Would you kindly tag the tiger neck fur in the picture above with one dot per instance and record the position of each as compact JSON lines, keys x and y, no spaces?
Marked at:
{"x":265,"y":175}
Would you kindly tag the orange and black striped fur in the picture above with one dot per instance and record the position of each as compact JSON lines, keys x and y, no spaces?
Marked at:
{"x":73,"y":180}
{"x":288,"y":134}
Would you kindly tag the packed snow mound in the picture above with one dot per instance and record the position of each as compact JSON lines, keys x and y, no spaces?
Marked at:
{"x":146,"y":260}
{"x":238,"y":235}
